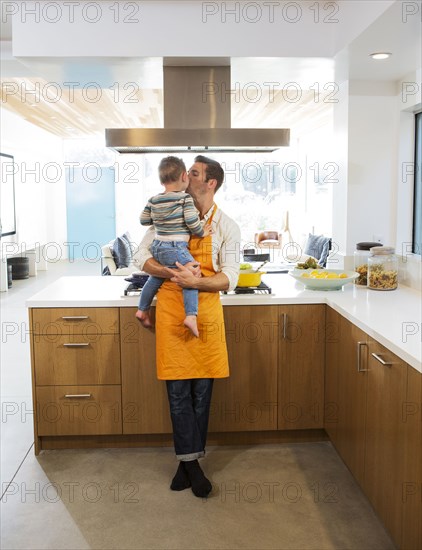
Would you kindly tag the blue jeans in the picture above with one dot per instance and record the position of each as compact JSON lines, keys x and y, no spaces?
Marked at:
{"x":190,"y":402}
{"x":167,"y":253}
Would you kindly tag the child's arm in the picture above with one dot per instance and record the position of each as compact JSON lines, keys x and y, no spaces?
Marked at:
{"x":191,"y":217}
{"x":146,"y":218}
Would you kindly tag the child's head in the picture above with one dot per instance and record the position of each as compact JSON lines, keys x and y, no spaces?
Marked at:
{"x":171,"y":170}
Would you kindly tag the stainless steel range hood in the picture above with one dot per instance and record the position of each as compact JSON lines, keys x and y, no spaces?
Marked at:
{"x":197,"y":117}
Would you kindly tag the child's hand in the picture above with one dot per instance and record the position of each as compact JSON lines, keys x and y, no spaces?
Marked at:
{"x":208,"y":230}
{"x":195,"y":268}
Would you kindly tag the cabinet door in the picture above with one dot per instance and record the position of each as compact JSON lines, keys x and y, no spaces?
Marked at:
{"x":89,"y":321}
{"x":144,"y":398}
{"x":333,"y":349}
{"x":411,"y":538}
{"x":77,"y":359}
{"x":79,"y":410}
{"x":385,"y":436}
{"x":352,"y":387}
{"x":301,"y":366}
{"x":247,"y":400}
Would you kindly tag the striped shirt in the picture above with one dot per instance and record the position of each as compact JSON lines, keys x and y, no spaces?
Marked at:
{"x":173,"y":216}
{"x":225,"y":249}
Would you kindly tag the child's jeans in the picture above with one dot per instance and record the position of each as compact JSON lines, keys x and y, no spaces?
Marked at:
{"x":167,"y":253}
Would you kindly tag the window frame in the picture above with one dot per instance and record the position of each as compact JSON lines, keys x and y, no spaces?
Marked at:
{"x":417,"y":187}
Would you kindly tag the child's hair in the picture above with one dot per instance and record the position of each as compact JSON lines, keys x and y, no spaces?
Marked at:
{"x":170,"y":169}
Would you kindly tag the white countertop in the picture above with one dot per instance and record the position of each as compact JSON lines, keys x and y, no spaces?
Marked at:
{"x":393,"y":318}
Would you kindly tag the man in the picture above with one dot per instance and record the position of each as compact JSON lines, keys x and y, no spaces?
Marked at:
{"x":188,"y":364}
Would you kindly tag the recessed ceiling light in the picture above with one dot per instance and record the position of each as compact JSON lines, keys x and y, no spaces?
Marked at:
{"x":380,"y":55}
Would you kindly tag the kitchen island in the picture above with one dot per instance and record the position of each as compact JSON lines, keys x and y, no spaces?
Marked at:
{"x":393,"y":318}
{"x":304,"y":366}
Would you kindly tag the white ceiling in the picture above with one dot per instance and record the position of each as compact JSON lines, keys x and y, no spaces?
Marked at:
{"x":389,"y":32}
{"x":395,"y":32}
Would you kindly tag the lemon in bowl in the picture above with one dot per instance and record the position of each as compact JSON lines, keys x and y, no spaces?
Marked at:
{"x":324,"y":279}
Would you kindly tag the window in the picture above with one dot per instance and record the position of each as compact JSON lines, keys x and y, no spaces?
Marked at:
{"x":417,"y":195}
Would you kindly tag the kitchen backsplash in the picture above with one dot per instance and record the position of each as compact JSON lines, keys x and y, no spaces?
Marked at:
{"x":410,"y":271}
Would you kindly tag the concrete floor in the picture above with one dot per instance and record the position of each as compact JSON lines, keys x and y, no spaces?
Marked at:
{"x":290,"y":496}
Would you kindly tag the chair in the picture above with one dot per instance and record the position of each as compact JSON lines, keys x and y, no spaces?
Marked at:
{"x":118,"y":257}
{"x":319,"y":247}
{"x":268,"y":239}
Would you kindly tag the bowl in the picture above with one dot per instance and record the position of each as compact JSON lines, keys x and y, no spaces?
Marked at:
{"x":248,"y":278}
{"x":309,"y":278}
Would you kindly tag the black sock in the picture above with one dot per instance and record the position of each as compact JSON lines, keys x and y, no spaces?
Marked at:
{"x":180,"y":480}
{"x":201,"y":486}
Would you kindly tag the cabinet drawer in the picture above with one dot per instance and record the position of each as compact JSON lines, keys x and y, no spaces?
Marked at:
{"x":79,"y":410}
{"x":77,"y":359}
{"x":77,"y":320}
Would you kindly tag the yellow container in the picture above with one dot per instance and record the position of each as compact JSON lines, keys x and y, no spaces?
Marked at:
{"x":249,"y":278}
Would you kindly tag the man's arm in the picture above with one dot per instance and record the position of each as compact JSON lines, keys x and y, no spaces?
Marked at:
{"x":186,"y":279}
{"x":148,"y":264}
{"x":152,"y":267}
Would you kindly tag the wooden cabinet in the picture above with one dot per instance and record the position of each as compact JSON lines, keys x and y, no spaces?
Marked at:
{"x":94,"y":375}
{"x":144,"y":398}
{"x":346,"y":380}
{"x":276,"y":360}
{"x":333,"y":352}
{"x":392,"y":442}
{"x":411,"y":484}
{"x":247,"y":401}
{"x":76,"y":371}
{"x":79,"y":410}
{"x":77,"y":359}
{"x":374,"y":418}
{"x":52,"y":322}
{"x":301,"y":366}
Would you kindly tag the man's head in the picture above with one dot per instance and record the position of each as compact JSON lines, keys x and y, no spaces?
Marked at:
{"x":171,"y":170}
{"x":213,"y":170}
{"x":205,"y":177}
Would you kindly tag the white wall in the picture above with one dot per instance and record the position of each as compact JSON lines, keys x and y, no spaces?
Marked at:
{"x":374,"y":130}
{"x":372,"y":184}
{"x":40,"y":200}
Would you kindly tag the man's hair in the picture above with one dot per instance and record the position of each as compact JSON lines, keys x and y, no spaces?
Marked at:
{"x":213,"y":170}
{"x":170,"y":169}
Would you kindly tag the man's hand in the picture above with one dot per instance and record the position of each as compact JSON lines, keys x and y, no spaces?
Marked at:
{"x":184,"y":277}
{"x":208,"y":230}
{"x":195,"y":268}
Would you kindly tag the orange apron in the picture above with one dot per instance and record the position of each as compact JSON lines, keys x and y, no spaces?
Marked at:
{"x":179,"y":354}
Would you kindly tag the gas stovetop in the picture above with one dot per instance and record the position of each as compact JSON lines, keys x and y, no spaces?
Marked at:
{"x":261,"y":289}
{"x":136,"y":283}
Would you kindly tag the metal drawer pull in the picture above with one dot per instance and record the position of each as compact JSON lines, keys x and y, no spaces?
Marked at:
{"x":77,"y":345}
{"x":381,"y":360}
{"x":76,"y":395}
{"x":359,"y":348}
{"x":284,"y":326}
{"x":76,"y":318}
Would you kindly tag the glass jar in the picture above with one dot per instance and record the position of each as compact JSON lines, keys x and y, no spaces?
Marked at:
{"x":383,"y":268}
{"x":361,"y":256}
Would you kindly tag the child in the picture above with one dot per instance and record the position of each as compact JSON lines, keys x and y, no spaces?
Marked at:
{"x":175,"y":218}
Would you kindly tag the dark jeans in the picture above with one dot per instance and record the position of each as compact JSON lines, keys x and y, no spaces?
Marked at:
{"x":189,"y":409}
